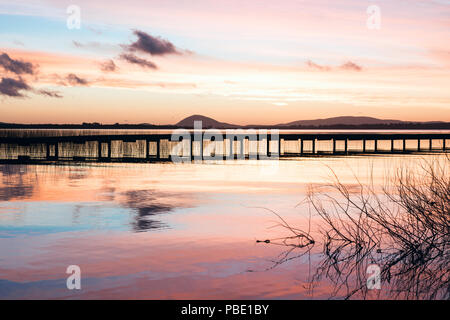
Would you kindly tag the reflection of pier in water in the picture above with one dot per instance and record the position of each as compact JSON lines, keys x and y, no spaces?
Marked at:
{"x":159,"y":147}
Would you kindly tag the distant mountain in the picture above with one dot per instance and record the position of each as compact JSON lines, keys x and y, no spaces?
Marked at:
{"x":206,"y":123}
{"x":348,"y":120}
{"x":344,"y":122}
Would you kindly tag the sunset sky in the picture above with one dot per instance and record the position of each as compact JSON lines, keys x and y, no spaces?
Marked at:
{"x":244,"y":62}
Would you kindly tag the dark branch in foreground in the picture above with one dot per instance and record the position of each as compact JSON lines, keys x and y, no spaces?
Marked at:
{"x":404,"y":229}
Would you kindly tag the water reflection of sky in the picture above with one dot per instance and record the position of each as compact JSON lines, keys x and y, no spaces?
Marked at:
{"x":160,"y":230}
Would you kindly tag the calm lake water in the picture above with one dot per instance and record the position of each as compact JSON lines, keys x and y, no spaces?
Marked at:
{"x":165,"y":231}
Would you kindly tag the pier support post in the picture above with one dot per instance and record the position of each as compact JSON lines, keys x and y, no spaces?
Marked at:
{"x":55,"y":156}
{"x":147,"y":149}
{"x":364,"y":145}
{"x":418,"y":144}
{"x":231,"y":151}
{"x":99,"y":149}
{"x":443,"y":144}
{"x":392,"y":145}
{"x":376,"y":145}
{"x":334,"y":146}
{"x":346,"y":146}
{"x":110,"y":151}
{"x":431,"y":144}
{"x":158,"y":147}
{"x":404,"y":145}
{"x":301,"y":147}
{"x":314,"y":146}
{"x":279,"y":148}
{"x":268,"y":147}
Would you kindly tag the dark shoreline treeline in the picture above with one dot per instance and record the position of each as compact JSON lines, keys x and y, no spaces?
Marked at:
{"x":386,"y":126}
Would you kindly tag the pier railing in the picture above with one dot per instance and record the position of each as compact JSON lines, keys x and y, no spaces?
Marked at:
{"x":162,"y":147}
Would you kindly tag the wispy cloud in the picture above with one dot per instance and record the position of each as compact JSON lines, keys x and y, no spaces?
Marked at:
{"x":155,"y":46}
{"x":12,"y":87}
{"x":75,"y":80}
{"x":15,"y":88}
{"x":16,"y":66}
{"x":131,"y":58}
{"x":49,"y":93}
{"x":98,"y":47}
{"x":316,"y":66}
{"x":108,"y":66}
{"x":78,"y":44}
{"x":351,"y":66}
{"x":147,"y":44}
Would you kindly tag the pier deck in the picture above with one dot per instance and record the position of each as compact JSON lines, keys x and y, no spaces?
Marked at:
{"x":160,"y":147}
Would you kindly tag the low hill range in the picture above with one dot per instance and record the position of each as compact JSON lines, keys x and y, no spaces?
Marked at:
{"x":348,"y":120}
{"x":206,"y":123}
{"x":343,"y":122}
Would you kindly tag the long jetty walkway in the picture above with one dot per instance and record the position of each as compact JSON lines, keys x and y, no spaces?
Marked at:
{"x":159,"y":147}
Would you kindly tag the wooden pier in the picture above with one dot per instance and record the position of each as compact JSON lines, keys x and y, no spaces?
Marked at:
{"x":158,"y":147}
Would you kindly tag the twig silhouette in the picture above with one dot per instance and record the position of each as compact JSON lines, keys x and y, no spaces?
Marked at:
{"x":404,"y":228}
